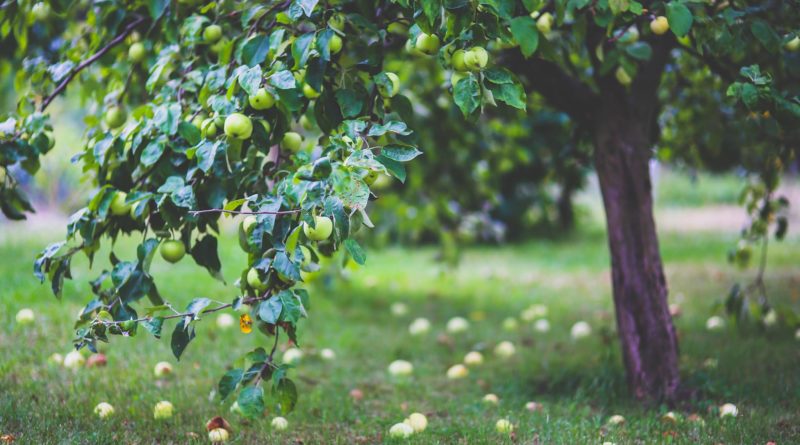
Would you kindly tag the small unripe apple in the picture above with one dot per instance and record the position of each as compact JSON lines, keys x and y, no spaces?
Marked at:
{"x":238,"y":126}
{"x":417,"y":421}
{"x":427,"y":43}
{"x":162,"y":369}
{"x":397,"y":28}
{"x":322,"y":230}
{"x":457,"y":60}
{"x":456,"y":77}
{"x":457,"y":325}
{"x":41,"y":11}
{"x":280,"y":424}
{"x":103,"y":410}
{"x":660,"y":25}
{"x":419,"y":326}
{"x":172,"y":250}
{"x":208,"y":128}
{"x":118,"y":205}
{"x":337,"y":21}
{"x":400,"y":431}
{"x":473,"y":358}
{"x":401,"y":368}
{"x":476,"y":58}
{"x":458,"y":371}
{"x":622,"y":76}
{"x":291,"y":141}
{"x":310,"y":92}
{"x":262,"y":100}
{"x":395,"y":86}
{"x":163,"y":410}
{"x":580,"y":330}
{"x":794,"y":44}
{"x":254,"y":279}
{"x":25,"y":316}
{"x":505,"y":349}
{"x":491,"y":399}
{"x":198,"y":120}
{"x":306,"y":123}
{"x":503,"y":426}
{"x":115,"y":117}
{"x":212,"y":33}
{"x":335,"y":44}
{"x":74,"y":360}
{"x":544,"y":23}
{"x":218,"y":435}
{"x":136,"y":52}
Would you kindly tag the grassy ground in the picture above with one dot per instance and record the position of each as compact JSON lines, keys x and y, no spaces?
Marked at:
{"x":580,"y":383}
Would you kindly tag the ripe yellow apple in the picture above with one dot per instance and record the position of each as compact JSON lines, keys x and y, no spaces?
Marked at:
{"x":660,"y":25}
{"x":400,"y":431}
{"x":218,"y":435}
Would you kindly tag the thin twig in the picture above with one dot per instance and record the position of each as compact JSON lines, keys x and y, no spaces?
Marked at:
{"x":266,"y":296}
{"x":242,"y":212}
{"x":100,"y":53}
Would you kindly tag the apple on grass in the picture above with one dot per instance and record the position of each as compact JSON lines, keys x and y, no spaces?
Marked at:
{"x":491,"y":399}
{"x":417,"y":421}
{"x":225,"y":321}
{"x":327,"y":354}
{"x":399,"y":309}
{"x":504,"y":349}
{"x":218,"y":435}
{"x":162,"y":369}
{"x":504,"y":426}
{"x":457,"y":325}
{"x":728,"y":410}
{"x":163,"y":410}
{"x":473,"y":358}
{"x":400,"y":431}
{"x":280,"y":424}
{"x":580,"y":330}
{"x":172,"y":250}
{"x":238,"y":126}
{"x":615,"y":420}
{"x":419,"y":326}
{"x":401,"y":368}
{"x":103,"y":410}
{"x":456,"y":372}
{"x":292,"y":355}
{"x":25,"y":316}
{"x":74,"y":360}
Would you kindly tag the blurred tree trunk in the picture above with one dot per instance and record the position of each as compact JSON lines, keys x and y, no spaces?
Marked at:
{"x":646,"y":332}
{"x":566,"y":212}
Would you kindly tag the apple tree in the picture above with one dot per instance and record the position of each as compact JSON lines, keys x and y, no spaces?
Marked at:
{"x":284,"y":112}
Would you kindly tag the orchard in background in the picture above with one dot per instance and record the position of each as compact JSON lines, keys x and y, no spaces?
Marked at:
{"x":286,"y":112}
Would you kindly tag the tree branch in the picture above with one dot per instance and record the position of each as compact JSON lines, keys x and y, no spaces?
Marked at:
{"x":561,"y":90}
{"x":241,"y":212}
{"x":100,"y":53}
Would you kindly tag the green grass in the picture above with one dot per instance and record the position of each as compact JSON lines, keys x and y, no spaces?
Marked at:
{"x":679,"y":188}
{"x":580,"y":383}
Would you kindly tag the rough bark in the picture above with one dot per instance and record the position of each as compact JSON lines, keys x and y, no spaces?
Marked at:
{"x":647,"y":334}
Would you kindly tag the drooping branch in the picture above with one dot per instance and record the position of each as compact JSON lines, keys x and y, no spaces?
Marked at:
{"x":100,"y":53}
{"x":561,"y":90}
{"x":243,"y":212}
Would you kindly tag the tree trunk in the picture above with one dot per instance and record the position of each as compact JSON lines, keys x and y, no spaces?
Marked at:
{"x":647,"y":335}
{"x":566,"y":213}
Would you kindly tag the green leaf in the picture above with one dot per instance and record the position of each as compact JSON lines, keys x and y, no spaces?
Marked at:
{"x":394,"y":168}
{"x":511,"y":93}
{"x":152,"y":153}
{"x":156,"y":7}
{"x":270,"y":311}
{"x":432,"y":9}
{"x":153,"y":326}
{"x":189,"y":132}
{"x":181,"y":337}
{"x":251,"y":401}
{"x":766,"y":35}
{"x":229,"y":381}
{"x":639,"y":50}
{"x":525,"y":33}
{"x":205,"y":254}
{"x":355,"y":250}
{"x":351,"y":102}
{"x":680,"y":18}
{"x":196,"y":306}
{"x":307,"y":6}
{"x":250,"y":79}
{"x":282,"y":264}
{"x":285,"y":393}
{"x":389,"y":127}
{"x":467,"y":95}
{"x":618,"y":6}
{"x":400,"y":153}
{"x":255,"y":50}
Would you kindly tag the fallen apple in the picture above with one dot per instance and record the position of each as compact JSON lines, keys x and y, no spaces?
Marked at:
{"x":615,"y":420}
{"x":327,"y":354}
{"x":401,"y":368}
{"x":163,"y":410}
{"x":162,"y":369}
{"x":25,"y":316}
{"x":728,"y":410}
{"x":505,"y":349}
{"x":400,"y":431}
{"x":541,"y":325}
{"x":473,"y":358}
{"x":292,"y":355}
{"x":417,"y":421}
{"x":503,"y":426}
{"x":218,"y":435}
{"x":103,"y":410}
{"x":715,"y":323}
{"x":74,"y":360}
{"x":491,"y":399}
{"x":458,"y":371}
{"x":225,"y":321}
{"x":399,"y":309}
{"x":457,"y":325}
{"x":419,"y":326}
{"x":580,"y":330}
{"x":280,"y":424}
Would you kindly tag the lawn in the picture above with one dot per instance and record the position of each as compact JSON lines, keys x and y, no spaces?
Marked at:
{"x":580,"y":383}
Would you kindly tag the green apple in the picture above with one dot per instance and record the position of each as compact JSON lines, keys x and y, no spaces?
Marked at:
{"x":254,"y":279}
{"x":397,"y":28}
{"x":427,"y":43}
{"x":291,"y":141}
{"x":262,"y":100}
{"x":212,"y":33}
{"x":172,"y":250}
{"x":481,"y":56}
{"x":197,"y":121}
{"x":136,"y":52}
{"x":337,"y":21}
{"x":208,"y":128}
{"x":163,"y":410}
{"x":116,"y":117}
{"x":794,"y":44}
{"x":322,"y":231}
{"x":457,"y":60}
{"x":623,"y":77}
{"x":238,"y":126}
{"x":306,"y":123}
{"x":660,"y":25}
{"x":216,"y":48}
{"x":335,"y":44}
{"x":310,"y":92}
{"x":371,"y":177}
{"x":41,"y":11}
{"x":395,"y":86}
{"x":245,"y":229}
{"x":544,"y":23}
{"x":118,"y":206}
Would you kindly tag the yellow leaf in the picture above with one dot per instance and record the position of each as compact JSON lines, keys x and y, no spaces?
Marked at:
{"x":246,"y":323}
